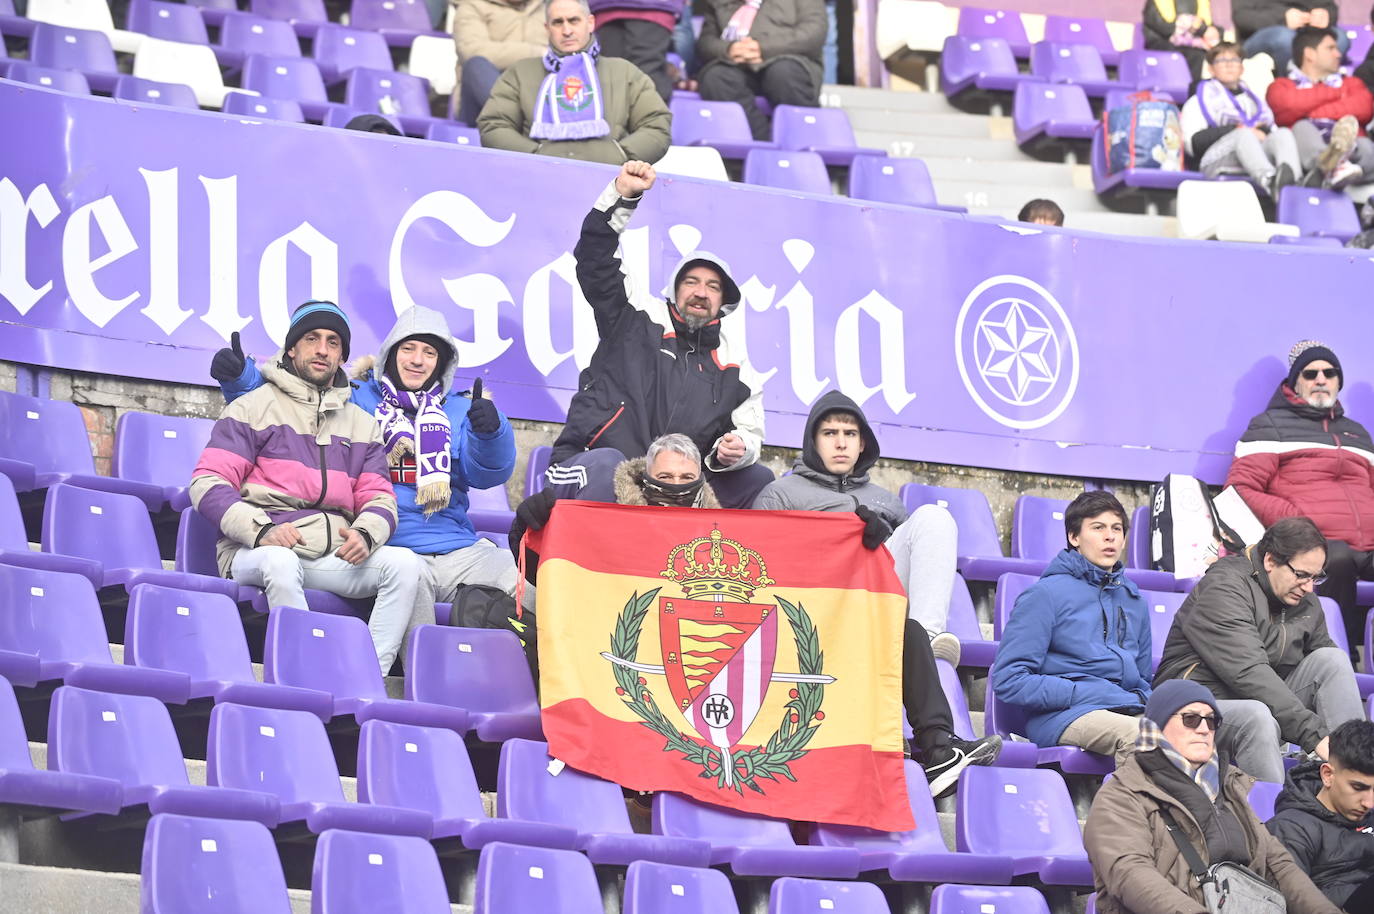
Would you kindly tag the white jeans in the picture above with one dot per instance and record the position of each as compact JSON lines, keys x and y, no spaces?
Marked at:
{"x":924,"y":550}
{"x":390,"y":574}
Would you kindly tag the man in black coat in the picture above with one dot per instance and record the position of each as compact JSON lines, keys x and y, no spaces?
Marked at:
{"x":1325,"y":817}
{"x":1268,"y":26}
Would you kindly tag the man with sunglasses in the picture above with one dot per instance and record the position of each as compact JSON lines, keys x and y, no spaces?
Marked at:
{"x":1253,"y":632}
{"x":1303,"y":456}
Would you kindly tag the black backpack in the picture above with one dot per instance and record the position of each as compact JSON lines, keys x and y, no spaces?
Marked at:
{"x":481,"y":606}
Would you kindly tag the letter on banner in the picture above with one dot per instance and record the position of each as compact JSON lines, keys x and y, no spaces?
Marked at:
{"x":163,"y":273}
{"x":223,"y":314}
{"x":78,"y":267}
{"x":801,"y":325}
{"x":14,"y":251}
{"x":849,"y":357}
{"x":324,"y":276}
{"x":538,"y":318}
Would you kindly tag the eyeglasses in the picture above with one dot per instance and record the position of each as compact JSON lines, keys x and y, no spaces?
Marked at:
{"x":1226,"y":60}
{"x":1304,"y":576}
{"x":1191,"y":719}
{"x":1311,"y":374}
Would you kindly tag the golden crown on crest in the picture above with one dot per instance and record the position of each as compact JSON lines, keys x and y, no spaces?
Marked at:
{"x":712,"y":566}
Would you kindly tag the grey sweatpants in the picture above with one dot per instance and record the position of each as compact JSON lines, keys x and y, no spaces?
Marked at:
{"x":924,"y":551}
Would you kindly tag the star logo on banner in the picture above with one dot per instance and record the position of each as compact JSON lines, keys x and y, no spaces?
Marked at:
{"x":1016,"y":349}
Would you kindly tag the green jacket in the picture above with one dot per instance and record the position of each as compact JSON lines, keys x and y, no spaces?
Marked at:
{"x":639,"y":120}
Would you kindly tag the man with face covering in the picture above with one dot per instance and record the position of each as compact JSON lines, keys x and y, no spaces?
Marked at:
{"x":654,"y":373}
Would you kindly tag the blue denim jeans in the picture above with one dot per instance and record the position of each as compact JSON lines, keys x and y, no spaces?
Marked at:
{"x":1277,"y":42}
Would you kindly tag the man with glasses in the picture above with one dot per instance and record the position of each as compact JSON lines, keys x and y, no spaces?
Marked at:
{"x":1229,"y":129}
{"x":1304,"y":456}
{"x":1253,"y":632}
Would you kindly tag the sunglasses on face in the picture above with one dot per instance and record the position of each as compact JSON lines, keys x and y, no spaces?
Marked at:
{"x":1311,"y":374}
{"x":1191,"y":719}
{"x":1304,"y":576}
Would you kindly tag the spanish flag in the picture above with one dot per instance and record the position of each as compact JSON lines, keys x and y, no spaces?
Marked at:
{"x":749,"y":659}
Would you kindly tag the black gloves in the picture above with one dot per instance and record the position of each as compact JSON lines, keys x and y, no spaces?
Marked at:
{"x":532,"y":514}
{"x":482,"y":415}
{"x":228,"y":363}
{"x":876,"y":530}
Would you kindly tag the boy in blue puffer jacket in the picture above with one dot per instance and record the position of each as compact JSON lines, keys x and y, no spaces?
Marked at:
{"x":438,"y":445}
{"x":1075,"y":654}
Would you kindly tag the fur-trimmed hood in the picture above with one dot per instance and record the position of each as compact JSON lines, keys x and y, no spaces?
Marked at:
{"x":628,"y":491}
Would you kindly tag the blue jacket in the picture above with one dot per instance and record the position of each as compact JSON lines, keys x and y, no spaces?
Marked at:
{"x":478,"y":462}
{"x":1078,"y":640}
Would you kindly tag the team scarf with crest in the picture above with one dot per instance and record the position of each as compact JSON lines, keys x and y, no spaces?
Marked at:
{"x":741,"y":21}
{"x":569,"y":104}
{"x":413,"y":422}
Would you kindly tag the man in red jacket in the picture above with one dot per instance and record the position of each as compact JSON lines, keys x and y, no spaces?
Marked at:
{"x":1304,"y":456}
{"x":1326,"y":111}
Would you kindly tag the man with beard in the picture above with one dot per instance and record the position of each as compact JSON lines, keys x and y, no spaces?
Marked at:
{"x":1303,"y":456}
{"x":651,"y":374}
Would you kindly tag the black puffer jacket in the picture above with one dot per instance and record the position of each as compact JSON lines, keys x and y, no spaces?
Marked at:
{"x":1338,"y":854}
{"x":1252,"y":15}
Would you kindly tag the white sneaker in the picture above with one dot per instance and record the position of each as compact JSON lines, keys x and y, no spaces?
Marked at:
{"x":1345,"y":173}
{"x":946,"y":647}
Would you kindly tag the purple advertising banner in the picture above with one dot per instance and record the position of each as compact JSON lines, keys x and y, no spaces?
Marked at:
{"x":134,"y":240}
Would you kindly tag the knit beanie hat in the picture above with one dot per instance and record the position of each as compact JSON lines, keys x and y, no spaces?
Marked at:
{"x":1305,"y":352}
{"x":1169,"y":696}
{"x":318,"y":315}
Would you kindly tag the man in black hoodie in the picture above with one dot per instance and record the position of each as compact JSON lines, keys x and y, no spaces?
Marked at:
{"x":832,"y":475}
{"x":1325,"y":817}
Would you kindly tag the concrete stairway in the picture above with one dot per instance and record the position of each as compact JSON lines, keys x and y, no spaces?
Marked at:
{"x":975,"y":162}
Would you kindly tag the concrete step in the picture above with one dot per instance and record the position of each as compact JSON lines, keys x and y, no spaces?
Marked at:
{"x":1007,"y":199}
{"x":1048,"y":175}
{"x":854,"y":97}
{"x":904,"y":124}
{"x":1123,"y":223}
{"x":982,"y":150}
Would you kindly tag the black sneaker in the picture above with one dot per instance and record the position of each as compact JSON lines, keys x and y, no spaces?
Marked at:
{"x":1283,"y":177}
{"x":944,"y":763}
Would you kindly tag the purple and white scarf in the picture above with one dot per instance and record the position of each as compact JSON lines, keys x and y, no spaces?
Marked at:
{"x":742,"y":21}
{"x":410,"y":416}
{"x":569,"y":104}
{"x":1220,"y":107}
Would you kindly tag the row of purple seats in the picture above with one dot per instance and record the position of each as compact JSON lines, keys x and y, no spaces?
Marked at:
{"x":977,"y":22}
{"x":1319,"y":213}
{"x":988,"y":65}
{"x":722,"y":126}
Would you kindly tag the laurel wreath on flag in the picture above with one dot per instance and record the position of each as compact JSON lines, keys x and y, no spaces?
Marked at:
{"x":800,"y":720}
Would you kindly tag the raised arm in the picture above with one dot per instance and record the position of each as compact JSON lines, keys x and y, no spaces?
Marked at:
{"x":598,"y":267}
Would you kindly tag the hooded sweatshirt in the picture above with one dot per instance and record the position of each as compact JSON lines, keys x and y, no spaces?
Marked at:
{"x":810,"y":487}
{"x":1338,"y":854}
{"x":1078,"y":640}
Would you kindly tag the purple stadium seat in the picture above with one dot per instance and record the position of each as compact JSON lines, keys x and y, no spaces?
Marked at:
{"x":660,"y":888}
{"x":453,"y":132}
{"x":977,"y":899}
{"x":752,"y":845}
{"x":162,"y":450}
{"x":986,"y":64}
{"x":481,"y":670}
{"x":803,"y":171}
{"x":295,"y":78}
{"x":1138,"y":539}
{"x":1037,"y":533}
{"x":489,"y":509}
{"x":1005,"y":719}
{"x":69,"y":81}
{"x":1080,"y":30}
{"x":404,"y":96}
{"x":219,"y":865}
{"x":1026,"y":814}
{"x":918,"y":855}
{"x":534,"y":472}
{"x":1319,"y":213}
{"x":720,"y":125}
{"x":66,"y":452}
{"x":792,"y":894}
{"x":515,"y":878}
{"x":116,"y":531}
{"x":1262,"y":797}
{"x":56,"y":617}
{"x":276,"y":109}
{"x":286,"y":753}
{"x":305,"y":16}
{"x":824,"y":131}
{"x":130,"y":738}
{"x":1143,"y":179}
{"x":1164,"y":72}
{"x":338,"y":50}
{"x":1009,"y":586}
{"x":399,"y":21}
{"x":904,"y":181}
{"x":359,"y":873}
{"x":428,"y":768}
{"x":75,"y":49}
{"x":244,"y":33}
{"x":31,"y":793}
{"x":976,"y":22}
{"x":334,"y":654}
{"x":1163,"y":607}
{"x":963,"y":624}
{"x":168,"y":21}
{"x":13,"y":25}
{"x":201,"y":636}
{"x":1072,"y":64}
{"x":1045,"y":111}
{"x":153,"y":92}
{"x":1335,"y":626}
{"x":980,"y":547}
{"x":14,"y":543}
{"x":1013,"y":754}
{"x":528,"y":789}
{"x":1361,"y":38}
{"x":214,"y":11}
